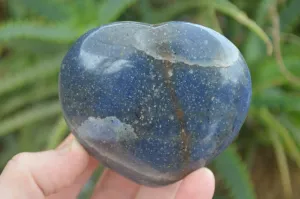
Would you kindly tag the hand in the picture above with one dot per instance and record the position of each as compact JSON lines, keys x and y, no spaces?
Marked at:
{"x":62,"y":173}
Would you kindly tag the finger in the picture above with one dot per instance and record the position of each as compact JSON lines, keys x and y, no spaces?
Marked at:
{"x":198,"y":185}
{"x":73,"y":191}
{"x":166,"y":192}
{"x":36,"y":175}
{"x":113,"y":185}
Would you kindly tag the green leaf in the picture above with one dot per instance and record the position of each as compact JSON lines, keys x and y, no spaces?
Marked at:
{"x":18,"y":101}
{"x":267,"y":74}
{"x":59,"y":132}
{"x":276,"y":98}
{"x":220,"y":197}
{"x":146,"y":11}
{"x":293,"y":126}
{"x":253,"y":50}
{"x":282,"y":164}
{"x":13,"y":63}
{"x":230,"y":168}
{"x":274,"y":125}
{"x":84,"y":14}
{"x":294,"y":42}
{"x":289,"y":16}
{"x":208,"y":16}
{"x":50,"y":9}
{"x":88,"y":189}
{"x":231,"y":10}
{"x":59,"y":33}
{"x":42,"y":70}
{"x":27,"y":48}
{"x":29,"y":116}
{"x":174,"y":9}
{"x":110,"y":10}
{"x":39,"y":131}
{"x":16,"y":10}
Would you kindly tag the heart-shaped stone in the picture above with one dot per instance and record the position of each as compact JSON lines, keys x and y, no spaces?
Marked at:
{"x":154,"y":102}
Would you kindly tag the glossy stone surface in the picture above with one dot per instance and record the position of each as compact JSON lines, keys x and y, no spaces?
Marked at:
{"x":154,"y":102}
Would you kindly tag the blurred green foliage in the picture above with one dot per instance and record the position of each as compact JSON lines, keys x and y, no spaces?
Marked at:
{"x":36,"y":34}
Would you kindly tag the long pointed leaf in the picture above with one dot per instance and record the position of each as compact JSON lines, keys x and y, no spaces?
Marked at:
{"x":231,"y":10}
{"x":273,"y":124}
{"x":50,"y":9}
{"x":59,"y":33}
{"x":42,"y":70}
{"x":110,"y":10}
{"x":10,"y":125}
{"x":254,"y":46}
{"x":282,"y":164}
{"x":20,"y":101}
{"x":289,"y":16}
{"x":233,"y":172}
{"x":58,"y":133}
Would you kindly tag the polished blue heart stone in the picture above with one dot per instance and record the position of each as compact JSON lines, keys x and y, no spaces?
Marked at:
{"x":154,"y":102}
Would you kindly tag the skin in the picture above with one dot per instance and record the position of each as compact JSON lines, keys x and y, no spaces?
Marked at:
{"x":61,"y":173}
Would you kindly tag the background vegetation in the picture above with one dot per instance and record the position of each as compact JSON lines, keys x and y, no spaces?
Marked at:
{"x":264,"y":161}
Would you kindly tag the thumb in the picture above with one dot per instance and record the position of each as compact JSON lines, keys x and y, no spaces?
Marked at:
{"x":37,"y":175}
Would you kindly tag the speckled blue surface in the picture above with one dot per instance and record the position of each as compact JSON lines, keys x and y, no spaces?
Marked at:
{"x":154,"y":102}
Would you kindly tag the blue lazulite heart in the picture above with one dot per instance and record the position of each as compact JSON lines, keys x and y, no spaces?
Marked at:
{"x":154,"y":102}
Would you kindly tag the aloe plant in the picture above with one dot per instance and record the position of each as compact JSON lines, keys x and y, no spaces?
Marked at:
{"x":36,"y":34}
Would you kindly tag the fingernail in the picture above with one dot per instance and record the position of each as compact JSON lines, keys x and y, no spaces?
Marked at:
{"x":71,"y":145}
{"x":65,"y":147}
{"x":75,"y":145}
